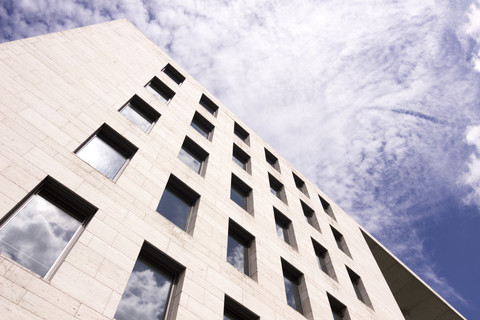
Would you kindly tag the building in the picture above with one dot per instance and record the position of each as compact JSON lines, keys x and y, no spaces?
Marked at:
{"x":127,"y":190}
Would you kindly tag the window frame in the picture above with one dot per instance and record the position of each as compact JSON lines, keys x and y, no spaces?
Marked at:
{"x":310,"y":216}
{"x":247,"y":240}
{"x":196,"y":152}
{"x":359,"y":287}
{"x":300,"y":184}
{"x":327,"y":208}
{"x":116,"y":141}
{"x":245,"y":191}
{"x":341,"y":242}
{"x":241,"y":133}
{"x":203,"y":124}
{"x":173,"y":74}
{"x":337,"y":306}
{"x":209,"y":105}
{"x":322,"y":255}
{"x":143,"y":109}
{"x":242,"y":157}
{"x":277,"y":188}
{"x":64,"y":199}
{"x":161,"y":89}
{"x":232,"y":308}
{"x":297,"y":278}
{"x":272,"y":160}
{"x":286,"y":225}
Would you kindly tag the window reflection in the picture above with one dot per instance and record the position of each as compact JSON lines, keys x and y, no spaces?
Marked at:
{"x":238,"y":198}
{"x":190,"y":160}
{"x":36,"y":236}
{"x":157,"y":93}
{"x":146,"y":295}
{"x":102,"y":157}
{"x":172,"y":207}
{"x":136,"y":117}
{"x":237,"y":254}
{"x":292,"y":294}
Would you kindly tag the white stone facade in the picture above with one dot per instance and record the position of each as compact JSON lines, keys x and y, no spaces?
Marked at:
{"x":56,"y":90}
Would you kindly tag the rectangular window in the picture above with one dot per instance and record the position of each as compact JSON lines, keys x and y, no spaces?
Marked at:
{"x":240,"y":249}
{"x":173,"y":74}
{"x":209,"y":105}
{"x":140,"y":113}
{"x":358,"y":287}
{"x":202,"y":125}
{"x":233,"y":310}
{"x":300,"y":184}
{"x":241,"y":158}
{"x":241,"y":133}
{"x":272,"y":160}
{"x":241,"y":194}
{"x":160,"y":90}
{"x":327,"y":208}
{"x":107,"y":151}
{"x":339,"y":311}
{"x":284,"y":228}
{"x":323,"y":259}
{"x":193,"y":156}
{"x":178,"y":204}
{"x":276,"y":187}
{"x":310,"y":216}
{"x":295,"y":288}
{"x":39,"y":231}
{"x":153,"y":283}
{"x":341,"y":243}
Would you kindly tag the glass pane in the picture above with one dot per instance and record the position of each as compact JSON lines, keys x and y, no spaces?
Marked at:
{"x":201,"y":130}
{"x":190,"y":160}
{"x":290,"y":288}
{"x":236,"y":255}
{"x":157,"y":94}
{"x":173,"y":208}
{"x":37,"y":235}
{"x":239,"y":162}
{"x":133,"y":115}
{"x":102,"y":157}
{"x":275,"y":192}
{"x":322,"y":263}
{"x":146,"y":294}
{"x":238,"y":198}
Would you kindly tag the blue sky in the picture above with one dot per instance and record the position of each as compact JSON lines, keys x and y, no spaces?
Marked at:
{"x":377,"y":102}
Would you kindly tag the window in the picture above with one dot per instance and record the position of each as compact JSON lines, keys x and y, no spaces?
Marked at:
{"x":209,"y":105}
{"x":241,"y":158}
{"x":154,"y":283}
{"x":107,"y":151}
{"x":173,"y":74}
{"x":140,"y":113}
{"x":241,"y":133}
{"x":327,"y":208}
{"x":202,"y":125}
{"x":272,"y":160}
{"x":241,"y":194}
{"x":284,"y":228}
{"x":358,"y":287}
{"x":240,"y":249}
{"x":178,"y":204}
{"x":233,"y":310}
{"x":276,"y":187}
{"x":341,"y":243}
{"x":160,"y":90}
{"x":323,"y":259}
{"x":193,"y":156}
{"x":300,"y":184}
{"x":295,"y":289}
{"x":310,"y":216}
{"x":41,"y":229}
{"x":339,"y":311}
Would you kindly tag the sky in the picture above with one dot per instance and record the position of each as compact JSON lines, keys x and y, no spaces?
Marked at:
{"x":376,"y":102}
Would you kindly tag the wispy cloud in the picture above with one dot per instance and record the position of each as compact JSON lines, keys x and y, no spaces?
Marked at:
{"x":370,"y":101}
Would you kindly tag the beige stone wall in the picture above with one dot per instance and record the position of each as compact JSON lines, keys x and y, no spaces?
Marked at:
{"x":56,"y":90}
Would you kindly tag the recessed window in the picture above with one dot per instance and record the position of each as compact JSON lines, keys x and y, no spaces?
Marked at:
{"x":160,"y":90}
{"x":323,"y":259}
{"x":276,"y":188}
{"x":202,"y":125}
{"x":241,"y":158}
{"x":300,"y":184}
{"x":241,"y":194}
{"x":40,"y":230}
{"x":240,"y":249}
{"x":154,"y":281}
{"x":272,"y":160}
{"x":173,"y":74}
{"x":178,"y":204}
{"x":295,"y":288}
{"x":327,"y":208}
{"x":284,"y":228}
{"x":310,"y":216}
{"x":235,"y":311}
{"x":241,"y":133}
{"x":341,"y":243}
{"x":209,"y":105}
{"x":140,"y":113}
{"x":107,"y":151}
{"x":193,"y":156}
{"x":339,"y":311}
{"x":358,"y":287}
